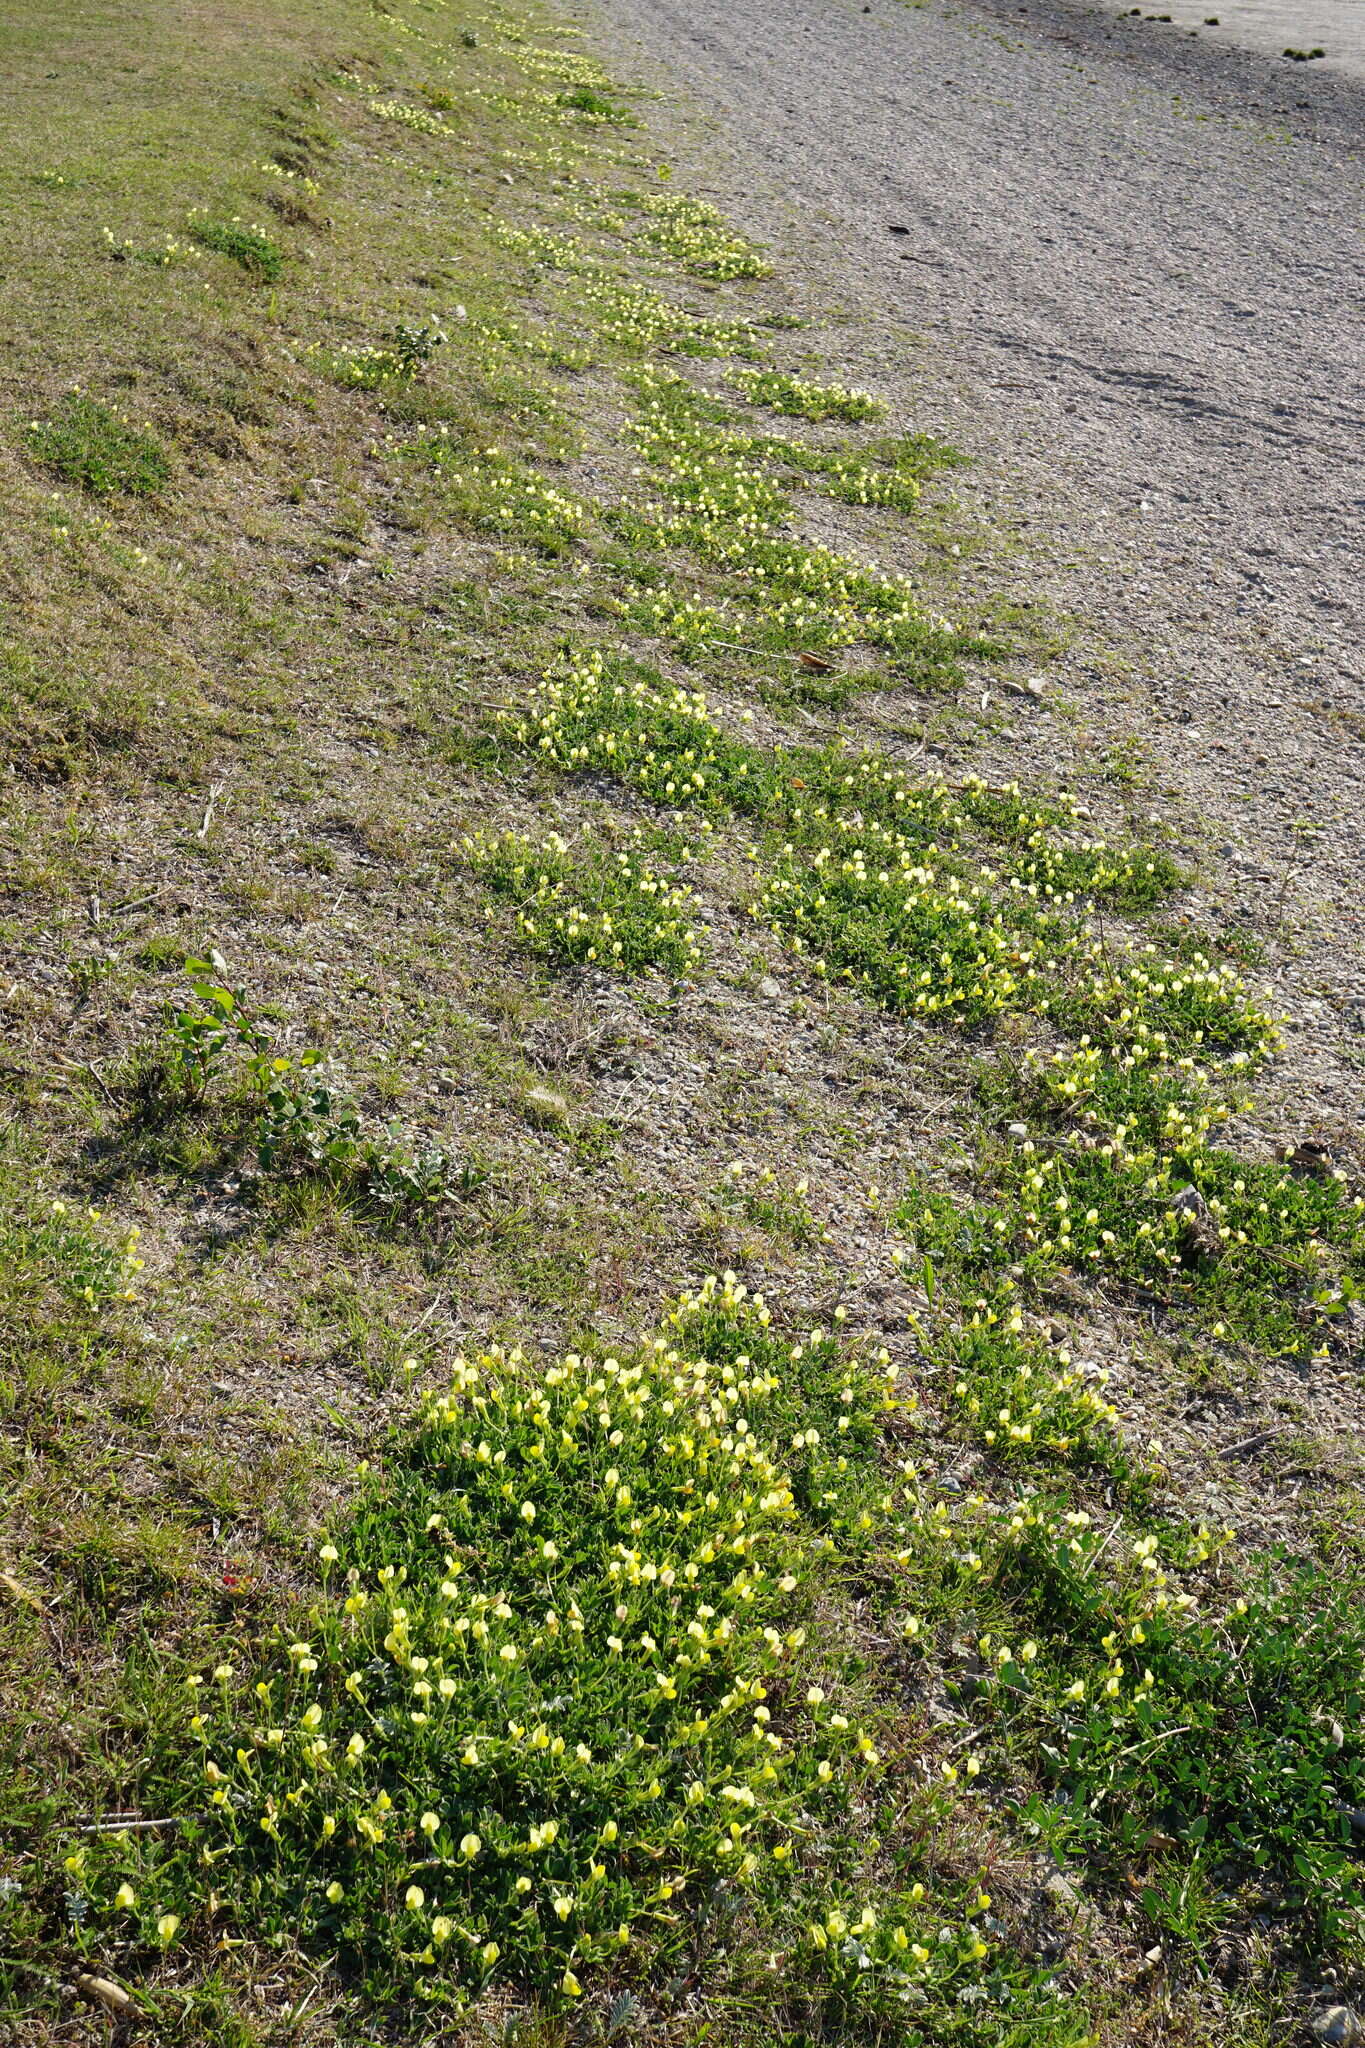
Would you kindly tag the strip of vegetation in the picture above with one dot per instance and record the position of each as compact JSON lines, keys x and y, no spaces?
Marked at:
{"x":595,"y":713}
{"x":781,"y":392}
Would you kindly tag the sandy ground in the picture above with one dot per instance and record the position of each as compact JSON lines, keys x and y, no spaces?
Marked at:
{"x":1336,"y":27}
{"x":1124,"y":268}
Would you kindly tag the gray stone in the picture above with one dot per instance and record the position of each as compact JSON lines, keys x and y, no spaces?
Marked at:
{"x":1336,"y":2026}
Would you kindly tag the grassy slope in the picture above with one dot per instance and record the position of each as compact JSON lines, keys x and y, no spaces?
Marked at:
{"x":255,"y":710}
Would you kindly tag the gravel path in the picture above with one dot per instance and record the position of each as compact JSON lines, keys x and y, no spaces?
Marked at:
{"x":1135,"y":257}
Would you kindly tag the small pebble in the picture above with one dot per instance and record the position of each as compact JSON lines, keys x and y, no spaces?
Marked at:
{"x":1337,"y":2027}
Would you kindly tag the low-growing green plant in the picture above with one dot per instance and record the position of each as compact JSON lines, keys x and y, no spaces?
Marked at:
{"x":584,"y":100}
{"x":369,"y":366}
{"x":306,"y":1129}
{"x":915,"y":940}
{"x":635,"y":319}
{"x":415,"y":345}
{"x":98,"y":448}
{"x":589,"y":904}
{"x":290,"y":175}
{"x":1258,"y":1254}
{"x":565,"y":67}
{"x":762,"y":1198}
{"x":733,"y":510}
{"x":303,"y":1128}
{"x":421,"y":120}
{"x":561,"y":1700}
{"x":1230,"y":1739}
{"x":245,"y":243}
{"x":699,"y":237}
{"x":608,"y":715}
{"x":77,"y":1252}
{"x":1027,"y":1401}
{"x":498,"y":494}
{"x":158,"y":255}
{"x":781,"y":392}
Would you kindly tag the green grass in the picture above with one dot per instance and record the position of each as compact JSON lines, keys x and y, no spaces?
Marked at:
{"x":56,"y":718}
{"x":96,"y":448}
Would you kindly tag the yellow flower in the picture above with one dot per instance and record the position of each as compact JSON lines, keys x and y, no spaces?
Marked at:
{"x":570,"y":1985}
{"x":430,"y":1824}
{"x":335,"y":1891}
{"x":167,"y":1925}
{"x":125,"y":1898}
{"x":441,"y":1928}
{"x":470,"y":1846}
{"x":414,"y":1898}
